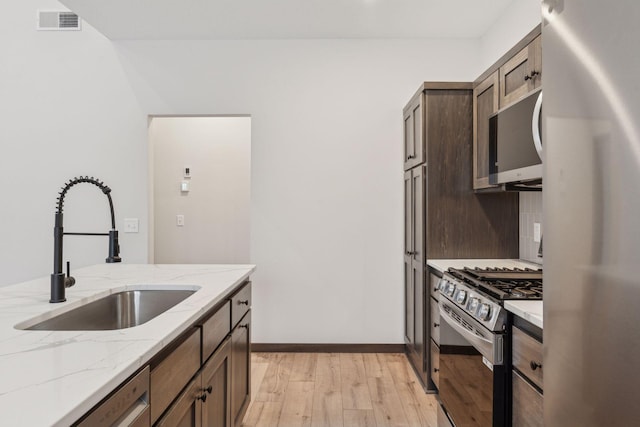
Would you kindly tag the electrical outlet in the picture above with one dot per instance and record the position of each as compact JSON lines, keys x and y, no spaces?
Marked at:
{"x":180,"y":220}
{"x":537,"y":233}
{"x":131,"y":225}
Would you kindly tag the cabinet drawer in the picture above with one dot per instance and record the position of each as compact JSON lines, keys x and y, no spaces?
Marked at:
{"x":240,"y":304}
{"x":527,"y":356}
{"x":435,"y":364}
{"x":215,"y":329}
{"x":170,"y":376}
{"x":435,"y":321}
{"x":527,"y":404}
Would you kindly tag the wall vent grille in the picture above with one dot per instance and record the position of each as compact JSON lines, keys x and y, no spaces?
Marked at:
{"x":50,"y":20}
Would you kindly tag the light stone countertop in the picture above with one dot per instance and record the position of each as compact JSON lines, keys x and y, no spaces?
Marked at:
{"x":53,"y":378}
{"x":528,"y":310}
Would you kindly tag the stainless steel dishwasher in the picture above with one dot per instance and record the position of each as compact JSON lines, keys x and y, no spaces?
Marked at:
{"x":127,"y":406}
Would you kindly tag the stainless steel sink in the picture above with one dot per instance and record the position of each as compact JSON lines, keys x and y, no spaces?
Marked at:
{"x":116,"y":311}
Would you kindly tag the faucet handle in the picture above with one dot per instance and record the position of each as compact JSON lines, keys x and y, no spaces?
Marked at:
{"x":69,"y":281}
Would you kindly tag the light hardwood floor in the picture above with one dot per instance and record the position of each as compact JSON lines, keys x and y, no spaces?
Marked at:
{"x":337,"y":389}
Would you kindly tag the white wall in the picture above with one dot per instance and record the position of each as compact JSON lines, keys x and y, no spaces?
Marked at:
{"x":520,"y":17}
{"x":326,"y":175}
{"x":66,"y":109}
{"x":216,"y":226}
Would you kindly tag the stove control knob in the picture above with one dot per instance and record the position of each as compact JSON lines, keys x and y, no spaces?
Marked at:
{"x":472,"y":307}
{"x":442,"y":285}
{"x":461,"y":296}
{"x":484,"y":312}
{"x":450,"y":289}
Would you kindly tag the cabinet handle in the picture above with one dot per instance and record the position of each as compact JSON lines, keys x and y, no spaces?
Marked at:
{"x":435,"y":325}
{"x":208,"y":389}
{"x":436,"y":370}
{"x":203,"y":397}
{"x":535,"y":365}
{"x":531,"y":76}
{"x":411,"y":156}
{"x":246,"y":326}
{"x":410,"y":253}
{"x":244,"y":302}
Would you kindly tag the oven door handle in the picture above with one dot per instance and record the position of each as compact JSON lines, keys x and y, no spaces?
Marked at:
{"x":483,"y":345}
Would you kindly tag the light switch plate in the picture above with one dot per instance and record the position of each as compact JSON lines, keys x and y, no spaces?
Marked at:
{"x":536,"y":232}
{"x":180,"y":220}
{"x":131,"y":225}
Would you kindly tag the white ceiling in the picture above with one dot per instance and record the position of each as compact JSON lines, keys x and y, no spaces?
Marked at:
{"x":285,"y":19}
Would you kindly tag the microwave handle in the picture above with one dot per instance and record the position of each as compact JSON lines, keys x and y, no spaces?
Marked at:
{"x":535,"y":125}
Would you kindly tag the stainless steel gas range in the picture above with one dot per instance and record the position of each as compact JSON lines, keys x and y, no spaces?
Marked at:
{"x":475,"y":341}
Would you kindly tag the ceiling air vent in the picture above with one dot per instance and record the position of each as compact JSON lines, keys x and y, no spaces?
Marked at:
{"x":58,"y":21}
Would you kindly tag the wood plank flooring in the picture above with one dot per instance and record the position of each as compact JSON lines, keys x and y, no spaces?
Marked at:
{"x":337,"y":390}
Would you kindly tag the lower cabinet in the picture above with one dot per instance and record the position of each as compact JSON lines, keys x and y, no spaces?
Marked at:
{"x":241,"y":367}
{"x":526,"y":376}
{"x":202,"y":378}
{"x":216,"y":382}
{"x":204,"y":402}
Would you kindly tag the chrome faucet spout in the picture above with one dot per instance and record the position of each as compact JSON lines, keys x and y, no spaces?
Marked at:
{"x":60,"y":281}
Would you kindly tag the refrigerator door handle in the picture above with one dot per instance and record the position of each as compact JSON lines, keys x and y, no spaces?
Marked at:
{"x":535,"y":125}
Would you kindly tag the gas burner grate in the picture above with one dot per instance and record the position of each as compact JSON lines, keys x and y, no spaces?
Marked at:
{"x":503,"y":283}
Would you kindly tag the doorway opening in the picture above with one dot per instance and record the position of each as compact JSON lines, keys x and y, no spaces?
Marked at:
{"x":199,"y":175}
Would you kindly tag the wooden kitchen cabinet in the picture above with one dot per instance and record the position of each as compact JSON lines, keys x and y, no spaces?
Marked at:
{"x":241,"y":368}
{"x":444,"y":218}
{"x":522,"y":73}
{"x":173,"y":372}
{"x":414,"y":152}
{"x":414,"y":266}
{"x":186,"y":410}
{"x":485,"y":103}
{"x":203,"y":377}
{"x":527,"y":374}
{"x":204,"y":402}
{"x":511,"y":78}
{"x":216,"y":379}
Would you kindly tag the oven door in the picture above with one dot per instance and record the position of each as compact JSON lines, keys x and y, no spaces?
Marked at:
{"x":472,"y":375}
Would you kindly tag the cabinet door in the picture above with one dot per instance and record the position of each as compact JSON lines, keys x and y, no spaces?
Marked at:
{"x":216,"y":376}
{"x":527,"y":403}
{"x":485,"y":103}
{"x":418,"y":347}
{"x":522,"y":73}
{"x":241,"y":369}
{"x":170,"y":376}
{"x":418,"y":185}
{"x":186,"y":411}
{"x":414,"y":153}
{"x":408,"y":257}
{"x":409,"y":305}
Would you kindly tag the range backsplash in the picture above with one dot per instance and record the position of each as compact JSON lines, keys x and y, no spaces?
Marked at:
{"x":530,"y":212}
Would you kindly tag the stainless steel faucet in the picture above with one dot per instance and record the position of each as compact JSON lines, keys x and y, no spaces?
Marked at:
{"x":59,"y":282}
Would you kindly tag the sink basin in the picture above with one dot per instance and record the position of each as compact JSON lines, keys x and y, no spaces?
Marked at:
{"x":116,"y":311}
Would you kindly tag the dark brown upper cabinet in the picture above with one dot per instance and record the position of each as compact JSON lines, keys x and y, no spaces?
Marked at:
{"x":522,"y":73}
{"x":485,"y":103}
{"x":414,"y":152}
{"x":511,"y":78}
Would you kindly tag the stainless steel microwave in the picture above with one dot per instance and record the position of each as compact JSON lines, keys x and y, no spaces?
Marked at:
{"x":515,"y":147}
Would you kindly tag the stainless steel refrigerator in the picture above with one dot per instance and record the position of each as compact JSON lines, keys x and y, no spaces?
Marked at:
{"x":591,"y":198}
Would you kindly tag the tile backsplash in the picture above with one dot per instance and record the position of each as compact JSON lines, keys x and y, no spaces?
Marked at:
{"x":530,"y":213}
